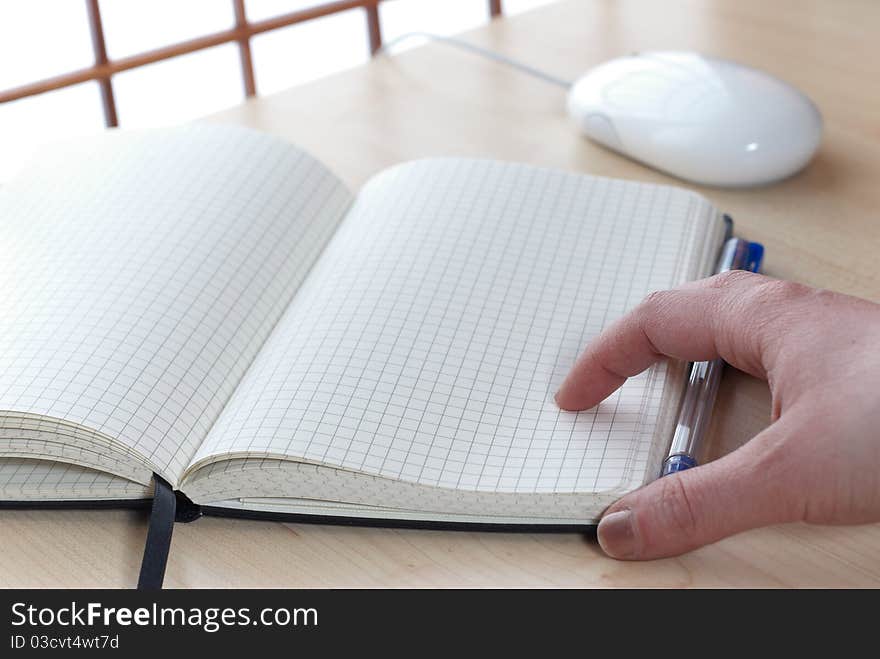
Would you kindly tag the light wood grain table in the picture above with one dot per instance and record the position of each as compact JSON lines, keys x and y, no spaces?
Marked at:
{"x":821,"y":227}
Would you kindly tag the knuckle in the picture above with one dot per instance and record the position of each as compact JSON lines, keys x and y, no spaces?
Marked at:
{"x":655,"y":301}
{"x":784,"y":306}
{"x":731,"y":278}
{"x":823,"y":297}
{"x":779,"y":290}
{"x":653,"y":310}
{"x":655,"y":307}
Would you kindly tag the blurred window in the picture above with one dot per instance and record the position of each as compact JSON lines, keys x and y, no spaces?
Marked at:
{"x":184,"y":59}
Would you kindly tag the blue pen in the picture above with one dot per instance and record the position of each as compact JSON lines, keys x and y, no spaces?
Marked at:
{"x":702,"y":386}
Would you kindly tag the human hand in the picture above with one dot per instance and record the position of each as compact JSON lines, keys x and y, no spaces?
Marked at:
{"x":818,"y":461}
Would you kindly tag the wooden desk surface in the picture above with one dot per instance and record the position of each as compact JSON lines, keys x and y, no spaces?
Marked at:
{"x":821,"y":227}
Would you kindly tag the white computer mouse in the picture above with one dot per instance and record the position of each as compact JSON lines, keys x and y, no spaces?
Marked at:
{"x":707,"y":120}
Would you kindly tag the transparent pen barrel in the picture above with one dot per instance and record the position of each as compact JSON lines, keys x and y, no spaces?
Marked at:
{"x":696,"y":408}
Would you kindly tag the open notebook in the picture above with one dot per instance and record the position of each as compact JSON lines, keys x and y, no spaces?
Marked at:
{"x":212,"y":305}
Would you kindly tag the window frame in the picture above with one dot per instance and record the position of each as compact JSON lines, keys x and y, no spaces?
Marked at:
{"x":104,"y":68}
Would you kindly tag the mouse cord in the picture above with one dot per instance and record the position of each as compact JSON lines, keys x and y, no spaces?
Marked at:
{"x":489,"y":54}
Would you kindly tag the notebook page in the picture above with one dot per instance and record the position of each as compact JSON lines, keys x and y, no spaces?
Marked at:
{"x":427,"y":343}
{"x":142,"y":272}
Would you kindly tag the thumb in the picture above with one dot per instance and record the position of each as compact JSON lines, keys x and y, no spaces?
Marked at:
{"x":748,"y":488}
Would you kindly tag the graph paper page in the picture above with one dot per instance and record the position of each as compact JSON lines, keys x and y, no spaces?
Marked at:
{"x":142,"y":272}
{"x":427,"y":343}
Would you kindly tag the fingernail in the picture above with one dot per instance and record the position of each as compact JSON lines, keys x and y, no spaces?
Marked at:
{"x":617,"y":534}
{"x":558,"y":404}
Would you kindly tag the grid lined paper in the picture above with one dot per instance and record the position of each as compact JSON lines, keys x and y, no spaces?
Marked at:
{"x":142,"y":273}
{"x":427,"y":343}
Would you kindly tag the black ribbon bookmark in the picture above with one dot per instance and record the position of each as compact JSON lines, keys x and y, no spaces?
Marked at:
{"x":158,"y":536}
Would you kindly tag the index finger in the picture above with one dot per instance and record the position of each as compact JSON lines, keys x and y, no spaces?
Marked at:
{"x":698,"y":322}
